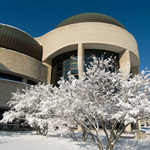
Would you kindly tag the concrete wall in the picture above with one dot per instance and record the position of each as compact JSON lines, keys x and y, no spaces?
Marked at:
{"x":92,"y":35}
{"x":6,"y":88}
{"x":22,"y":65}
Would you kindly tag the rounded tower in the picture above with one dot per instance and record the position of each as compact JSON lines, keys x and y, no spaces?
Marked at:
{"x":79,"y":37}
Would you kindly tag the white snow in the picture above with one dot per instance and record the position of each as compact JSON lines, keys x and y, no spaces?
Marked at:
{"x":31,"y":141}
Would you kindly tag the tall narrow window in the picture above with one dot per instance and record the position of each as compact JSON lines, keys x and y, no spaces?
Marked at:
{"x":62,"y":64}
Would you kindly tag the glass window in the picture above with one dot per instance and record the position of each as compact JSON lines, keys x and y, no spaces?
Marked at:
{"x":10,"y":77}
{"x":1,"y":113}
{"x":62,"y":64}
{"x":66,"y":62}
{"x":73,"y":65}
{"x":74,"y":72}
{"x":31,"y":82}
{"x":89,"y":53}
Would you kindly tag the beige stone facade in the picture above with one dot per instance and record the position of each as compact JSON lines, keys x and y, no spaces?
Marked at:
{"x":76,"y":36}
{"x":6,"y":89}
{"x":22,"y":65}
{"x":91,"y":35}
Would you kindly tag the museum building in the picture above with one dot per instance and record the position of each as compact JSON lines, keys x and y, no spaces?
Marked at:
{"x":25,"y":60}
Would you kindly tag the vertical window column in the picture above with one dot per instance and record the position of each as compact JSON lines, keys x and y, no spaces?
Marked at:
{"x":80,"y":59}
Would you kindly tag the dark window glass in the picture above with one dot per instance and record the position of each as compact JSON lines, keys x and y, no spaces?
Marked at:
{"x":1,"y":114}
{"x":62,"y":64}
{"x":89,"y":53}
{"x":31,"y":82}
{"x":74,"y":72}
{"x":10,"y":77}
{"x":66,"y":62}
{"x":73,"y":65}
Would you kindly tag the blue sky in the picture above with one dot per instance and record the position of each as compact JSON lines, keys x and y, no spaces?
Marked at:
{"x":39,"y":17}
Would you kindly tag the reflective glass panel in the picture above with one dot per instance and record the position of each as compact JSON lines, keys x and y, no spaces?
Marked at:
{"x":62,"y":64}
{"x":89,"y":53}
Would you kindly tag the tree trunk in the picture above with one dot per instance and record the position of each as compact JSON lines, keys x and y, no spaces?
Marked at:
{"x":111,"y":147}
{"x":84,"y":134}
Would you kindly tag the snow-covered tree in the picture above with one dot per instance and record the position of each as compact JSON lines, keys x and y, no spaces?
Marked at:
{"x":107,"y":98}
{"x":27,"y":105}
{"x":41,"y":107}
{"x":101,"y":97}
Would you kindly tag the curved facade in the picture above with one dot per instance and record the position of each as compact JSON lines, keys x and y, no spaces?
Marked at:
{"x":23,"y":61}
{"x":20,"y":62}
{"x":90,"y":31}
{"x":19,"y":41}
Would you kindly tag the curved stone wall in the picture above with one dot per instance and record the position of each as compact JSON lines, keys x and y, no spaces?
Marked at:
{"x":22,"y":65}
{"x":6,"y":88}
{"x":89,"y":33}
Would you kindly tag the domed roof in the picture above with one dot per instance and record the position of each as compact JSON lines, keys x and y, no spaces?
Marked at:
{"x":17,"y":40}
{"x":90,"y":17}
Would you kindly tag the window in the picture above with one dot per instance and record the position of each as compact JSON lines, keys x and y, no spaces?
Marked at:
{"x":66,"y":62}
{"x":62,"y":64}
{"x":10,"y":77}
{"x":89,"y":53}
{"x":31,"y":82}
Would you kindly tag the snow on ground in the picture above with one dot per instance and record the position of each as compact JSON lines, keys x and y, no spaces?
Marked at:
{"x":31,"y":141}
